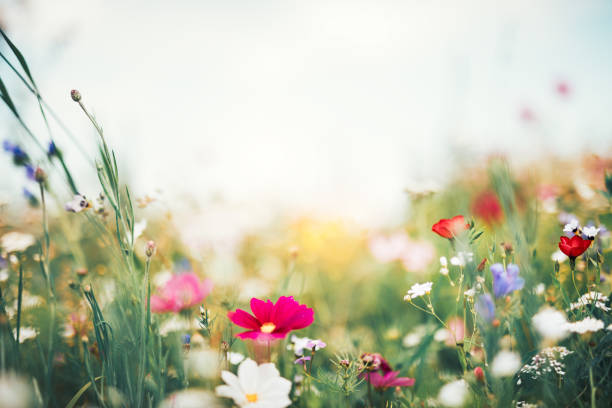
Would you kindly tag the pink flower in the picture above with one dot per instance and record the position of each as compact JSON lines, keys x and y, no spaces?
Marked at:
{"x":387,"y":380}
{"x":182,"y":291}
{"x":272,"y":321}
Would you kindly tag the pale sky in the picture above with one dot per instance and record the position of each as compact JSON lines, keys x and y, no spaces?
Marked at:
{"x":255,"y":108}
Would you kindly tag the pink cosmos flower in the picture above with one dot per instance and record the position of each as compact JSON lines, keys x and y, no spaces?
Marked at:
{"x":387,"y":380}
{"x":272,"y":321}
{"x":182,"y":291}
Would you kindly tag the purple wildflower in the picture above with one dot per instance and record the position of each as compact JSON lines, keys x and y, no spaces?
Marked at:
{"x":506,"y":280}
{"x":485,"y":308}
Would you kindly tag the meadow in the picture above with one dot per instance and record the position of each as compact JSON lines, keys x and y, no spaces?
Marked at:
{"x":494,"y":292}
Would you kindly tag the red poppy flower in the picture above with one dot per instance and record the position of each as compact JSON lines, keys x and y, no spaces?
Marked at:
{"x":574,"y":246}
{"x":448,"y":228}
{"x":487,"y":207}
{"x":272,"y":321}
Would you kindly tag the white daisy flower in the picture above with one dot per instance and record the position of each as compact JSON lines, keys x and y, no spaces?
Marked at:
{"x":505,"y":364}
{"x":454,"y":394}
{"x":16,"y":241}
{"x":462,"y":258}
{"x":443,"y":265}
{"x":571,"y":226}
{"x":588,"y":324}
{"x":418,"y":290}
{"x":256,"y":386}
{"x":551,"y":324}
{"x":591,"y":232}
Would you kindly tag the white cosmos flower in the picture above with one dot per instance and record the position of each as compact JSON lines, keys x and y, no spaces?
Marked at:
{"x":589,"y":324}
{"x":591,"y":232}
{"x":505,"y":364}
{"x":256,"y":386}
{"x":551,"y":324}
{"x":454,"y":394}
{"x":16,"y":241}
{"x":571,"y":226}
{"x":418,"y":290}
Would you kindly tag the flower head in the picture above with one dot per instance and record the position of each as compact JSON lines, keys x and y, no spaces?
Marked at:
{"x":388,"y":380}
{"x":572,"y":226}
{"x":449,"y":228}
{"x":487,"y":207}
{"x":590,"y":232}
{"x":20,"y":157}
{"x":256,"y":386}
{"x":16,"y":241}
{"x":550,"y":323}
{"x":418,"y":290}
{"x":454,"y":394}
{"x":271,"y":321}
{"x":77,"y":204}
{"x":588,"y":324}
{"x":182,"y":291}
{"x":507,"y":280}
{"x":302,"y":360}
{"x":574,"y":246}
{"x":505,"y":363}
{"x":374,"y":362}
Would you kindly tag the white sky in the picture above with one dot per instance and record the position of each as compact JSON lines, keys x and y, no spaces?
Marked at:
{"x":330,"y":106}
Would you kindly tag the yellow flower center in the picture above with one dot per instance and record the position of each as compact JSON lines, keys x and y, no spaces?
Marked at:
{"x":251,"y":397}
{"x":268,"y":327}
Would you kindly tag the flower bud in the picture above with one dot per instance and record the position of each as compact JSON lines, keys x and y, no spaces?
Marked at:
{"x":150,"y":249}
{"x":81,"y":272}
{"x":39,"y":175}
{"x":481,"y":265}
{"x":479,"y":374}
{"x":495,"y":323}
{"x":75,"y":95}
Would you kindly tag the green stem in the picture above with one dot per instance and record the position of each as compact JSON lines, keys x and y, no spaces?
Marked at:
{"x":19,"y":302}
{"x":593,"y":388}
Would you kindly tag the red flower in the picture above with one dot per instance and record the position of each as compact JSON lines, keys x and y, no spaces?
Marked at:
{"x":387,"y":380}
{"x":448,"y":228}
{"x":272,"y":320}
{"x":487,"y":207}
{"x":479,"y":374}
{"x":574,"y":246}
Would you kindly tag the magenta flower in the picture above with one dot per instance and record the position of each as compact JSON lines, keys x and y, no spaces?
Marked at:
{"x":272,"y":321}
{"x":387,"y":380}
{"x":182,"y":291}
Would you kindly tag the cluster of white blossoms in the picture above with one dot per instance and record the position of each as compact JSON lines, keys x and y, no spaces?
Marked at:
{"x":547,"y":361}
{"x":462,"y":258}
{"x":588,"y":324}
{"x":418,"y":290}
{"x":551,"y":324}
{"x":595,"y":299}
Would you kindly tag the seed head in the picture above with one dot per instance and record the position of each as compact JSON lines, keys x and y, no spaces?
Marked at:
{"x":75,"y":95}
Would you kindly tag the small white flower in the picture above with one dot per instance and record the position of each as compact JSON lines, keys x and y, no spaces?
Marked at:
{"x":505,"y":364}
{"x":443,"y":265}
{"x":442,"y":335}
{"x":16,"y":241}
{"x":540,"y":289}
{"x":235,"y":358}
{"x":418,"y":290}
{"x":470,"y":293}
{"x":4,"y":275}
{"x":462,"y":258}
{"x":77,"y":204}
{"x":298,"y":344}
{"x":454,"y":394}
{"x":571,"y":226}
{"x":558,"y":256}
{"x":591,"y":232}
{"x":316,"y":344}
{"x":25,"y":333}
{"x":595,"y":299}
{"x":261,"y":386}
{"x":588,"y":324}
{"x":16,"y":392}
{"x":551,"y":324}
{"x":609,"y":327}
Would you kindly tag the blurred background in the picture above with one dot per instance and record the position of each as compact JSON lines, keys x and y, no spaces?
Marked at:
{"x":234,"y":113}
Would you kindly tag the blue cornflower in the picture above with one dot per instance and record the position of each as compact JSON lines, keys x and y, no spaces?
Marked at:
{"x":52,"y":150}
{"x":506,"y":280}
{"x":19,"y":156}
{"x":30,"y":172}
{"x":485,"y":308}
{"x":186,"y":338}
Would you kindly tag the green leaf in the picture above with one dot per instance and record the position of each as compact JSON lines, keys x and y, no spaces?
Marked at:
{"x":19,"y":56}
{"x":79,"y":393}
